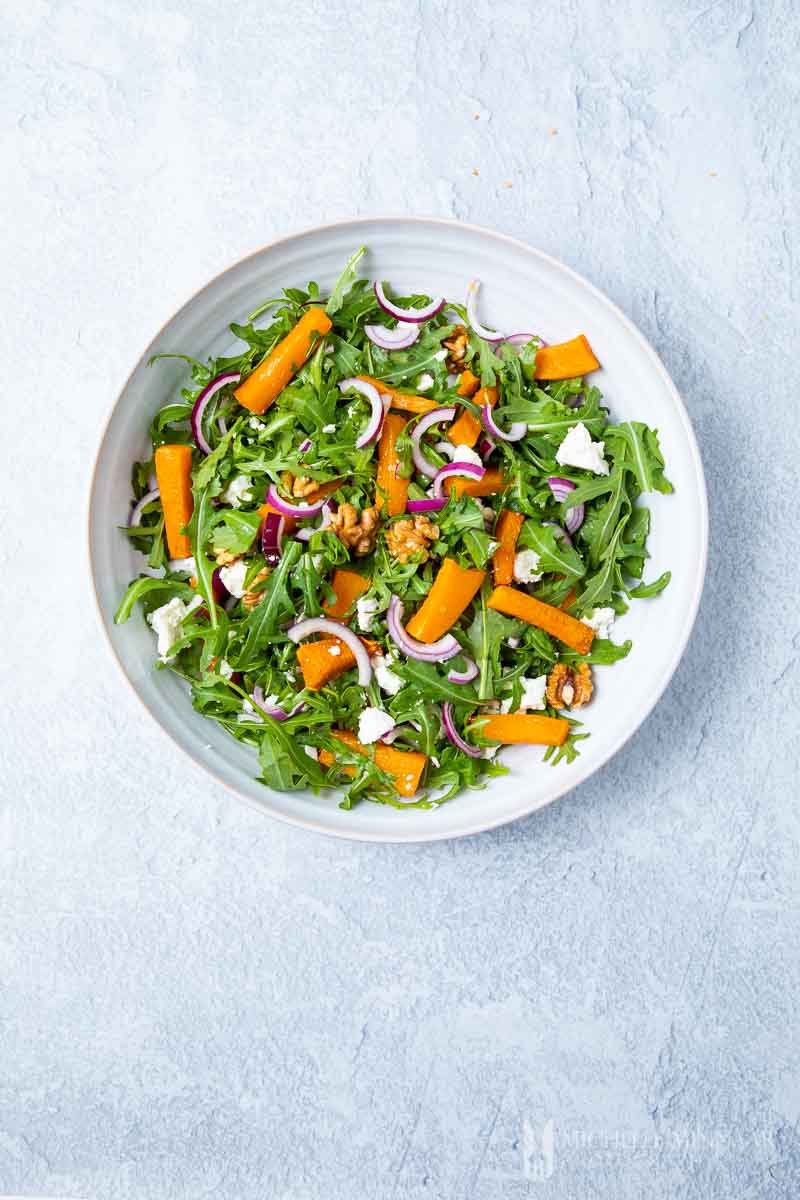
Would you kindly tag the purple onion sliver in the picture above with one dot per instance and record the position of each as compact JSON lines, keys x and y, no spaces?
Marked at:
{"x":292,"y":510}
{"x":416,"y":315}
{"x":465,"y":676}
{"x":560,"y":488}
{"x":446,"y":647}
{"x":140,"y":505}
{"x":400,"y":338}
{"x":429,"y":505}
{"x":201,"y":403}
{"x":448,"y":720}
{"x":574,"y":518}
{"x":272,"y":537}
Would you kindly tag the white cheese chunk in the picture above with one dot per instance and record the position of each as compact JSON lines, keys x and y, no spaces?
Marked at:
{"x":373,"y":724}
{"x":526,"y":567}
{"x":578,"y":450}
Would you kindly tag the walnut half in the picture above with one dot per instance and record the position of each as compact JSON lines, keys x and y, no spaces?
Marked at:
{"x":456,"y":345}
{"x":410,"y":537}
{"x":356,"y":532}
{"x":255,"y":594}
{"x":569,"y":687}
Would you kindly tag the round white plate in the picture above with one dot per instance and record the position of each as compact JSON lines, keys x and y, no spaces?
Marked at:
{"x":522,"y":289}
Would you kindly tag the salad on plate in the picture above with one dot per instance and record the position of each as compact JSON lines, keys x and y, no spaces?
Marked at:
{"x":381,"y":541}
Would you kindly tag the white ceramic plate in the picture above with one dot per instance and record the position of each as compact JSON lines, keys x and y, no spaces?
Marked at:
{"x":522,"y":289}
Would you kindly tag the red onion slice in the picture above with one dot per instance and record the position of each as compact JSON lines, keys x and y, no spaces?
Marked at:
{"x":272,"y":710}
{"x":574,"y":518}
{"x":292,"y":510}
{"x":430,"y":505}
{"x":522,"y":339}
{"x":305,"y":535}
{"x":304,"y":446}
{"x":465,"y":676}
{"x":417,"y":315}
{"x":446,"y":647}
{"x":272,"y":537}
{"x":560,"y":534}
{"x":140,"y":505}
{"x":448,"y":720}
{"x":517,"y":430}
{"x":446,"y":413}
{"x":304,"y":629}
{"x":485,"y":447}
{"x":560,"y":488}
{"x":488,"y":335}
{"x":456,"y":468}
{"x":375,"y":422}
{"x":400,"y":338}
{"x":201,"y":403}
{"x":218,"y":589}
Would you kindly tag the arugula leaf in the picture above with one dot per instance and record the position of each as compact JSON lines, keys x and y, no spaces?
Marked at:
{"x":236,"y":530}
{"x":345,"y":281}
{"x":603,"y":653}
{"x":431,"y":683}
{"x":636,"y":444}
{"x":141,"y":587}
{"x":554,"y":554}
{"x":208,"y":467}
{"x":489,"y":629}
{"x":644,"y":590}
{"x":262,"y":624}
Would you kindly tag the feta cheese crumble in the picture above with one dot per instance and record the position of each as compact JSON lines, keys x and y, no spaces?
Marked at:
{"x":329,"y":429}
{"x":578,"y":450}
{"x":233,"y":577}
{"x":366,"y":610}
{"x":466,"y":454}
{"x":440,"y":355}
{"x":526,"y":567}
{"x":533,"y":694}
{"x":601,"y":620}
{"x":254,"y":423}
{"x":425,"y":382}
{"x":237,"y":491}
{"x":385,"y":677}
{"x":373,"y":724}
{"x":166,"y":622}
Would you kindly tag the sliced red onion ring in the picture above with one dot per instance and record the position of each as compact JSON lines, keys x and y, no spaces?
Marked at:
{"x":395,"y":733}
{"x":448,"y":720}
{"x":513,"y":434}
{"x":446,"y":647}
{"x":292,"y":510}
{"x":272,"y":537}
{"x":560,"y":488}
{"x":304,"y":446}
{"x":201,"y":403}
{"x":304,"y":629}
{"x":222,"y":426}
{"x":417,"y":315}
{"x":305,"y":535}
{"x":375,"y":422}
{"x":465,"y":676}
{"x":560,"y":534}
{"x":522,"y":339}
{"x":486,"y":446}
{"x":400,"y":338}
{"x":446,"y":413}
{"x":574,"y":518}
{"x":456,"y":468}
{"x":272,"y":710}
{"x":430,"y":505}
{"x":218,"y":589}
{"x":488,"y":335}
{"x":140,"y":505}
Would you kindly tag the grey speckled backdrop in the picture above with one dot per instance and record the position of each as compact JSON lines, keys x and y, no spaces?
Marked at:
{"x":598,"y":1001}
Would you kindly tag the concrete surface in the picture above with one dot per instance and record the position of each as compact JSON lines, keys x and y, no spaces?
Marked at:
{"x":599,"y":1001}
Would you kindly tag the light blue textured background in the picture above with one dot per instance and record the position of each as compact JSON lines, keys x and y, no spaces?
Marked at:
{"x":195,"y":1001}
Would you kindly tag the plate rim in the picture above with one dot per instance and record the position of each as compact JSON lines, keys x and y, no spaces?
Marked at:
{"x":492,"y":821}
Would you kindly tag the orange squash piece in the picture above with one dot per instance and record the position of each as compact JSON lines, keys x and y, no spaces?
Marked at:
{"x":466,"y":429}
{"x":174,"y":474}
{"x":390,"y":490}
{"x":406,"y":766}
{"x":506,"y":533}
{"x":348,"y":586}
{"x":552,"y":620}
{"x":529,"y":728}
{"x":567,"y":360}
{"x":453,"y":589}
{"x":263,"y":385}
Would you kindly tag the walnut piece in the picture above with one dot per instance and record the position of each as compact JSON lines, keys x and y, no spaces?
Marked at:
{"x":411,"y":537}
{"x":456,"y":344}
{"x":569,"y":687}
{"x":298,"y":485}
{"x":356,"y":532}
{"x":252,"y":597}
{"x":226,"y":559}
